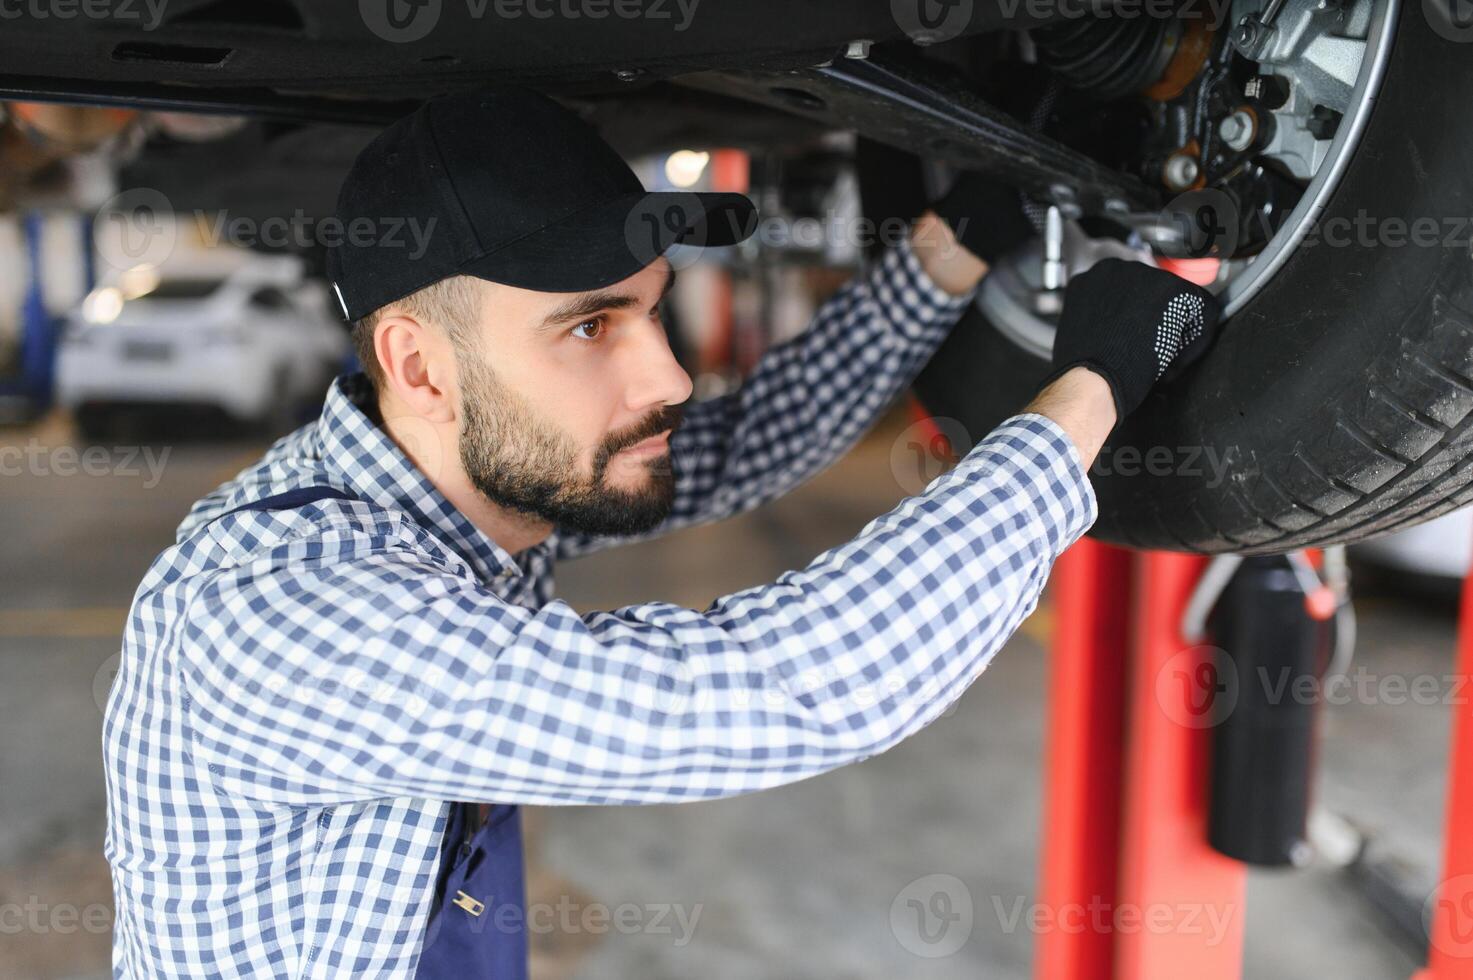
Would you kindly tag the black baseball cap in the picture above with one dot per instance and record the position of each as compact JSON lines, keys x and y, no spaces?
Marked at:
{"x":509,"y":186}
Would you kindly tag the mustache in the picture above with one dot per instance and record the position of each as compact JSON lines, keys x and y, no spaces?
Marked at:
{"x":653,"y":424}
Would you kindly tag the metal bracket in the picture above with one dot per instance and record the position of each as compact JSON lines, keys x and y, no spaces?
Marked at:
{"x":939,"y":118}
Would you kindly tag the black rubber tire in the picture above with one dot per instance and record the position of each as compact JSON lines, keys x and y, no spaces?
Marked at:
{"x":1341,"y":396}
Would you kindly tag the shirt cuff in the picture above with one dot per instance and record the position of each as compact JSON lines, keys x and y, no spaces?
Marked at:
{"x":1038,"y":456}
{"x":919,"y":308}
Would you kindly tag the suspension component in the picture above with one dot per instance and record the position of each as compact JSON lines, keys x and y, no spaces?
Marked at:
{"x":1109,"y":57}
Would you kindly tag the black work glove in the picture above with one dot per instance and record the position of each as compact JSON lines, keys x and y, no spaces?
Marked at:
{"x":1135,"y":325}
{"x":985,"y":215}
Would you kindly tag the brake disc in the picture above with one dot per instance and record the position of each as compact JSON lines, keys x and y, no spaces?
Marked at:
{"x":1316,"y":68}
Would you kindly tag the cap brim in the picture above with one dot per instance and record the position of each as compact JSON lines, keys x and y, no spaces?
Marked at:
{"x":609,"y":243}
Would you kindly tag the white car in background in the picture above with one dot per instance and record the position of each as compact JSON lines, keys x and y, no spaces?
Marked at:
{"x":255,"y":342}
{"x":1442,"y":547}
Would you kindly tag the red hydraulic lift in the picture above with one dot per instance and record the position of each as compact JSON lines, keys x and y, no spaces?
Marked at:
{"x":1127,"y":873}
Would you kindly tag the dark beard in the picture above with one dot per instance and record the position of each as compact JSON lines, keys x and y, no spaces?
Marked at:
{"x":521,"y":462}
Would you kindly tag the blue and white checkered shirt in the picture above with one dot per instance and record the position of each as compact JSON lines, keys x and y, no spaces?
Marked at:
{"x":302,"y":691}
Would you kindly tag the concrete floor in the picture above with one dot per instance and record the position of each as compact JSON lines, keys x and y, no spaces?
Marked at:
{"x":797,"y":882}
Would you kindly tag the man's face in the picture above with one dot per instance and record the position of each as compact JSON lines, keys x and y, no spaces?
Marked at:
{"x":569,"y":401}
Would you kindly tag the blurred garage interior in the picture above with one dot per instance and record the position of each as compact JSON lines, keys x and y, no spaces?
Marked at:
{"x":111,"y":432}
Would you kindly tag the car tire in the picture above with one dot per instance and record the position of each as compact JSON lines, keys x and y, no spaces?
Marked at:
{"x":1337,"y":404}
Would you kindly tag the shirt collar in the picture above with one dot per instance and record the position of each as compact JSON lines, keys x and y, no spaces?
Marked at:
{"x":370,"y":464}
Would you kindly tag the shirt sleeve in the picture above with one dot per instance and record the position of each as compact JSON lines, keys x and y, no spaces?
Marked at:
{"x":808,"y":401}
{"x":313,"y":679}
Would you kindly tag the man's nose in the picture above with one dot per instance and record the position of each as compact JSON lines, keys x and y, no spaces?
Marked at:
{"x":656,"y":377}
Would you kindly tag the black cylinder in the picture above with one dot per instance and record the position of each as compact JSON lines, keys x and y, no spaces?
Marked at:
{"x":1271,"y":659}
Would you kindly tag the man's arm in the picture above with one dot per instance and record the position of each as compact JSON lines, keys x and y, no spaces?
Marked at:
{"x":323,"y":676}
{"x":1080,"y":402}
{"x":810,"y":399}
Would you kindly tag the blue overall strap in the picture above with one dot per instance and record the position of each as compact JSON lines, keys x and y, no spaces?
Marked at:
{"x":479,"y":929}
{"x":296,"y":497}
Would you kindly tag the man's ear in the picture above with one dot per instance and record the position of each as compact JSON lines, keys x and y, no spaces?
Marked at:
{"x":418,"y":365}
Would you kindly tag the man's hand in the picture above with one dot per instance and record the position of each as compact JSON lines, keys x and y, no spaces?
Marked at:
{"x":986,"y":215}
{"x":946,"y":263}
{"x":977,"y":222}
{"x":1133,"y":324}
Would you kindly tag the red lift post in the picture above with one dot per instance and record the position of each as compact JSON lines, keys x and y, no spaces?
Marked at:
{"x":1450,"y":956}
{"x":1133,"y":890}
{"x":1127,"y":877}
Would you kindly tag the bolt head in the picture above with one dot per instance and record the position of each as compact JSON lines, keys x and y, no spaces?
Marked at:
{"x":1236,"y":130}
{"x":1181,"y":171}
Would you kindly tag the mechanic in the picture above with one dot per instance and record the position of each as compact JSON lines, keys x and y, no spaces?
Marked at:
{"x":356,"y":637}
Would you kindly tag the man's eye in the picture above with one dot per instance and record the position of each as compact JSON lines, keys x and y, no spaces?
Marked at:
{"x":589,"y":329}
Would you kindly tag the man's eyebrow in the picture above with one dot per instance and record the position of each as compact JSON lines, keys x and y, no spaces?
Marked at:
{"x":587,"y":304}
